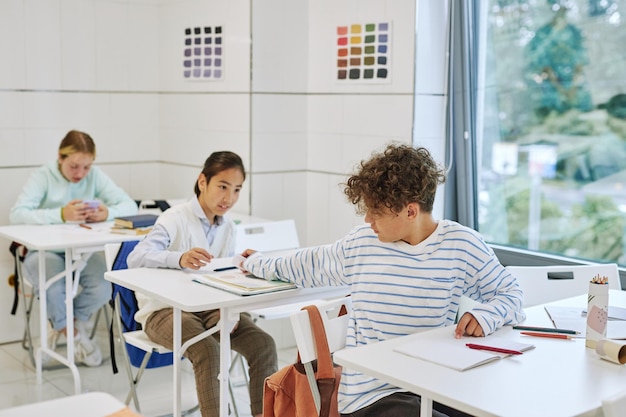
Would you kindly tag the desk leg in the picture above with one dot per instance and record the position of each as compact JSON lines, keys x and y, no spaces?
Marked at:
{"x":43,"y":316}
{"x":426,"y":409}
{"x":177,"y":333}
{"x":44,"y":284}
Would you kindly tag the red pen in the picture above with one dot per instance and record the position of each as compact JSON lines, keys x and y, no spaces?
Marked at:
{"x":550,"y":335}
{"x":493,"y":349}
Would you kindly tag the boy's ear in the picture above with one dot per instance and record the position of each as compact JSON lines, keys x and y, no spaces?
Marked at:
{"x":412,"y":210}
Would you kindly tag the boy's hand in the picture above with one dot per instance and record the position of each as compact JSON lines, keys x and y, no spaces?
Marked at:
{"x":469,"y":326}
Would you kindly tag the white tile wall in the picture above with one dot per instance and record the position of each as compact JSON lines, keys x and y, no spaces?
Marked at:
{"x":430,"y":67}
{"x":280,"y":52}
{"x":114,"y":69}
{"x":42,"y":36}
{"x":78,"y":33}
{"x":12,"y":45}
{"x":279,"y":141}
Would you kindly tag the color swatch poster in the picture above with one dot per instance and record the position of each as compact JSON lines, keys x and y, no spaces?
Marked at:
{"x":363,"y":53}
{"x":203,"y":53}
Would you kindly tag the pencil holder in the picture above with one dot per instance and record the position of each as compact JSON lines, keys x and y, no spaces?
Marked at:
{"x":597,"y":311}
{"x":612,"y":350}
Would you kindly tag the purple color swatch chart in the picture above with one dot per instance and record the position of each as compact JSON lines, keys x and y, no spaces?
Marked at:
{"x":363,"y":52}
{"x":203,"y":53}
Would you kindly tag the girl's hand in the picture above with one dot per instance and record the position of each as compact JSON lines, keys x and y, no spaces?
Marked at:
{"x":195,"y":258}
{"x":75,"y":211}
{"x":99,"y":214}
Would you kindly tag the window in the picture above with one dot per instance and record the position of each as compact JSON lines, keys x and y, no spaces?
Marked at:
{"x":545,"y":151}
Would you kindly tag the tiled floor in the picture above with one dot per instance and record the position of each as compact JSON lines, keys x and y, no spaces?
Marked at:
{"x":18,"y":381}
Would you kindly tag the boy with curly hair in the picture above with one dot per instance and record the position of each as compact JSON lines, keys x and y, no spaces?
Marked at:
{"x":407,"y":272}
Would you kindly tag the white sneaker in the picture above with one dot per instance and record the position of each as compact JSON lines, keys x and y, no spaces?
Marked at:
{"x":86,"y":351}
{"x":53,"y":340}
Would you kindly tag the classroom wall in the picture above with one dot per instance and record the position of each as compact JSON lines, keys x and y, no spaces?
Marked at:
{"x":113,"y":68}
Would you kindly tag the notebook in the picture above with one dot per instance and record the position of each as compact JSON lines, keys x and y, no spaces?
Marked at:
{"x":237,"y":282}
{"x":454,"y":354}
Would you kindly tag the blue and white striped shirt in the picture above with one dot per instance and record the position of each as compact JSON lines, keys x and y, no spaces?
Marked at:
{"x":399,"y":289}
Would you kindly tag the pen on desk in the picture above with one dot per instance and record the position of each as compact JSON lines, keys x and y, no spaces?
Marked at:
{"x":545,"y":329}
{"x":197,"y":281}
{"x":493,"y":349}
{"x":549,"y":335}
{"x":85,"y":226}
{"x":226,"y":268}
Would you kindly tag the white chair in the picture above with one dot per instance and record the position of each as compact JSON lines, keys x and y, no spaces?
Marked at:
{"x":267,"y":237}
{"x":336,"y":327}
{"x":614,"y":405}
{"x":543,"y":284}
{"x":140,"y":340}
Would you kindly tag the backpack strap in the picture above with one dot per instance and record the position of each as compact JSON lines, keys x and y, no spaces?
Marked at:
{"x":325,"y":376}
{"x":19,"y":252}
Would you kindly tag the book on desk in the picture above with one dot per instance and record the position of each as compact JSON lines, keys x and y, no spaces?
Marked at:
{"x":235,"y":281}
{"x":136,"y":221}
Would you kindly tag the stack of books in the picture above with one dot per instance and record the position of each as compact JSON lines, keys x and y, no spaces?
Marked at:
{"x":139,"y":224}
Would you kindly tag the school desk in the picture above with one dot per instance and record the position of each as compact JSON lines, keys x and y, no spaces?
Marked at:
{"x":558,"y":378}
{"x":78,"y":243}
{"x":177,"y":289}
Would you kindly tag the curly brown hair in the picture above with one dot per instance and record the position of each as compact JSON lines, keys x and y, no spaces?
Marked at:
{"x":394,"y":178}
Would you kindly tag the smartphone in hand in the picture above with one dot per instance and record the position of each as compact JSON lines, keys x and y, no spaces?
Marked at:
{"x":92,"y":204}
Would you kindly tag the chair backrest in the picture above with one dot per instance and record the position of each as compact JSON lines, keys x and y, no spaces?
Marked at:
{"x":614,"y":405}
{"x":110,"y":253}
{"x":336,"y":327}
{"x":542,"y":284}
{"x":267,"y":236}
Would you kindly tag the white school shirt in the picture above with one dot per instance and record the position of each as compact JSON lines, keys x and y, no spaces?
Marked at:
{"x":178,"y":229}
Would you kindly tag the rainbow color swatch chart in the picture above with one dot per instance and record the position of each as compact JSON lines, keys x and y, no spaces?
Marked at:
{"x":363,"y":52}
{"x":203,"y":53}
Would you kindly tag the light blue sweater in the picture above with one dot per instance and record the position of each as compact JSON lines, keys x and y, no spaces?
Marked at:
{"x":399,"y":289}
{"x":47,"y":190}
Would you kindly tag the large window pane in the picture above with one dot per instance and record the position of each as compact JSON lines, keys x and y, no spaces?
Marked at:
{"x":552,"y":127}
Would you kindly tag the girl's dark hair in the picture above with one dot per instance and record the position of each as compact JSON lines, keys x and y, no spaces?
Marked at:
{"x":76,"y":141}
{"x":218,"y":162}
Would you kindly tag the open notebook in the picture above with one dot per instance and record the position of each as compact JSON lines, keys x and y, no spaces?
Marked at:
{"x":453,"y":353}
{"x":237,"y":282}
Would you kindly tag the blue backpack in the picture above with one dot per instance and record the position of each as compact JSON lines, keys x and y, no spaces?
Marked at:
{"x":128,"y":308}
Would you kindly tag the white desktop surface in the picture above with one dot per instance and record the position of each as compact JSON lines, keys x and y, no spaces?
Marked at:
{"x":93,"y":404}
{"x":559,"y":378}
{"x":78,"y":243}
{"x":176,"y":288}
{"x":62,"y":236}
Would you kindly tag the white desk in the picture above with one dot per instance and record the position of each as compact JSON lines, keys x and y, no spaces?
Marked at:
{"x":79,"y":244}
{"x":559,"y":378}
{"x":176,"y":288}
{"x":93,"y":404}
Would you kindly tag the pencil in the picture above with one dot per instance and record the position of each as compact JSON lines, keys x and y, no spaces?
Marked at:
{"x":545,"y":329}
{"x":549,"y":335}
{"x":85,"y":226}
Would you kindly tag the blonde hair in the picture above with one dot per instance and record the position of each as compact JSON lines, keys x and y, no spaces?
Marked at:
{"x":76,"y":141}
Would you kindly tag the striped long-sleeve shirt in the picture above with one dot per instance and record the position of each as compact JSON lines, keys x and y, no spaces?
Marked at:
{"x":399,"y":289}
